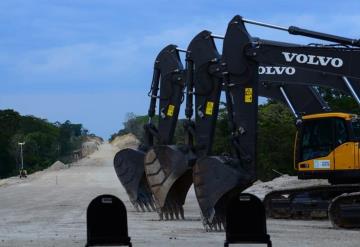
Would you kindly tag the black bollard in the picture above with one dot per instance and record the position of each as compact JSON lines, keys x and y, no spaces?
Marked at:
{"x":246,"y":221}
{"x":107,"y":222}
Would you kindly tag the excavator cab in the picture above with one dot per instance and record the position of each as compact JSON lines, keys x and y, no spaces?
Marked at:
{"x":327,"y":147}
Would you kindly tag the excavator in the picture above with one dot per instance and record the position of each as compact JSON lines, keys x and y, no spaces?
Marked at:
{"x":168,"y":167}
{"x":169,"y":77}
{"x":326,"y":144}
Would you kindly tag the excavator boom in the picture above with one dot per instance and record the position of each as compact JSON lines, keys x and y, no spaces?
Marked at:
{"x":168,"y":77}
{"x":168,"y":167}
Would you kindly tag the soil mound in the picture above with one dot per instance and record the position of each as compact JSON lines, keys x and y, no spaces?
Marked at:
{"x":58,"y":165}
{"x":126,"y":141}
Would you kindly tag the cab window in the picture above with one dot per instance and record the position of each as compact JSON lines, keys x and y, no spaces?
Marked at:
{"x":341,"y":135}
{"x":317,"y":138}
{"x":356,"y":128}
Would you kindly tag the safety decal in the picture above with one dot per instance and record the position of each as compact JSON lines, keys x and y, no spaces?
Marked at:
{"x":321,"y":164}
{"x":170,"y":111}
{"x":248,"y":95}
{"x":209,"y":108}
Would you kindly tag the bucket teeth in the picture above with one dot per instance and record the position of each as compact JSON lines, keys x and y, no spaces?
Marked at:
{"x":176,"y":211}
{"x":147,"y":205}
{"x":216,"y":180}
{"x":141,"y":204}
{"x":145,"y":202}
{"x":161,"y":215}
{"x":136,"y":206}
{"x":129,"y":167}
{"x":152,"y":204}
{"x":181,"y":211}
{"x":216,"y":225}
{"x":169,"y":177}
{"x":166,"y":215}
{"x":171,"y":211}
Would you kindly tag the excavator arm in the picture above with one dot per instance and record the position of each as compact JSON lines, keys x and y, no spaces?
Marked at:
{"x":168,"y":167}
{"x":169,"y":78}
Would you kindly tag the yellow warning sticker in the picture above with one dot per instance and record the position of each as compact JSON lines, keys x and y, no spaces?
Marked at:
{"x":170,"y":111}
{"x":209,"y":108}
{"x":248,"y":95}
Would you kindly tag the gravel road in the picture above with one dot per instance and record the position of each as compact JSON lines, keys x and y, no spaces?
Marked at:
{"x":49,"y":209}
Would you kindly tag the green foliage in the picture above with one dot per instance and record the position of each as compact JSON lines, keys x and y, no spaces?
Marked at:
{"x":221,"y":143}
{"x":9,"y":122}
{"x":44,"y":142}
{"x":276,"y":133}
{"x":179,"y":135}
{"x":339,"y":101}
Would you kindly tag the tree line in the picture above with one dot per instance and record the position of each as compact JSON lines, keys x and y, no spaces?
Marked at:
{"x":45,"y":142}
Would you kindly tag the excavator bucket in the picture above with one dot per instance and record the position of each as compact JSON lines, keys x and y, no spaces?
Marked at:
{"x":170,"y":177}
{"x":216,"y":181}
{"x":129,"y":167}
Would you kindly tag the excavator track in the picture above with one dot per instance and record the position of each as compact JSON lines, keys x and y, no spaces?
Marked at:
{"x":169,"y":178}
{"x":304,"y":203}
{"x":344,"y":210}
{"x":129,"y":167}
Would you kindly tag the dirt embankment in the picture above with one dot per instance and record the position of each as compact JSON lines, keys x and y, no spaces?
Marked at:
{"x":125,"y":141}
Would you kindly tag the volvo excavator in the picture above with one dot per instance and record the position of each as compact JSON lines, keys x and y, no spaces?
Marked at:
{"x":326,"y":144}
{"x":169,"y":77}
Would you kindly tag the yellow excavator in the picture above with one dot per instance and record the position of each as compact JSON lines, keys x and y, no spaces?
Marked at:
{"x":326,"y":147}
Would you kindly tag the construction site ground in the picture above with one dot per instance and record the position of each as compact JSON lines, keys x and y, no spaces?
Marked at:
{"x":49,"y":209}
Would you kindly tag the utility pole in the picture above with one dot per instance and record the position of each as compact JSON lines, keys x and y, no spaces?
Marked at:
{"x":21,"y":154}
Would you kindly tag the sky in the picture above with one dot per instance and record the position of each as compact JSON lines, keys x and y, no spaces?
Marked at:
{"x":91,"y":61}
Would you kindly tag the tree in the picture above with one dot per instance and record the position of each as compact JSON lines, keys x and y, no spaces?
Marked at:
{"x":276,"y":133}
{"x":9,"y":123}
{"x":45,"y":142}
{"x":339,"y":101}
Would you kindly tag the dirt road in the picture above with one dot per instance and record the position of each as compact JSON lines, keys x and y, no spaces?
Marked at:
{"x":49,"y":209}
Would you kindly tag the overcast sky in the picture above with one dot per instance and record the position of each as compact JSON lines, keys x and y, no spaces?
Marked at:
{"x":90,"y":61}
